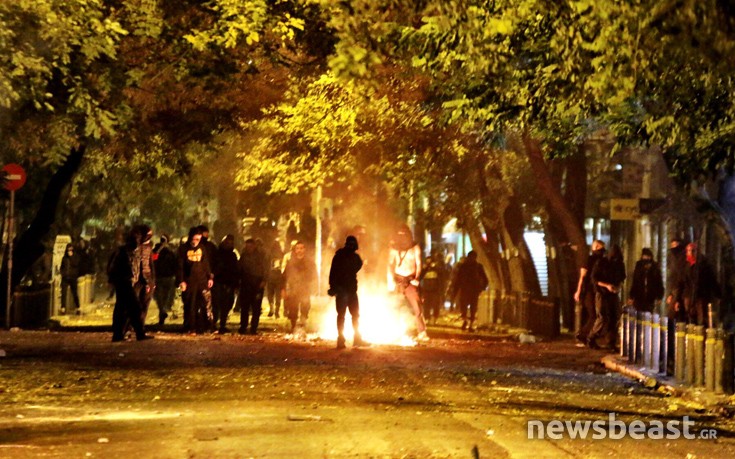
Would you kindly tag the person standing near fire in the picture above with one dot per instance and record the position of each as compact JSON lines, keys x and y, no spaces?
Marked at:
{"x":343,"y":287}
{"x":404,"y":274}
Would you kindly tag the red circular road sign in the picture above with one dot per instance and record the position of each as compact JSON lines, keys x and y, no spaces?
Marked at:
{"x":15,"y":177}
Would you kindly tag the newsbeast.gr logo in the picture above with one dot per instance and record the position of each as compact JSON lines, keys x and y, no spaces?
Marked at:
{"x":614,"y":429}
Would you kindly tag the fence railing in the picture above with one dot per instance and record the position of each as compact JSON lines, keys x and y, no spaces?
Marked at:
{"x":538,"y":314}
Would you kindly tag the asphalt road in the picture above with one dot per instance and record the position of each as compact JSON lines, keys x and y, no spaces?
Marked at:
{"x":69,"y":395}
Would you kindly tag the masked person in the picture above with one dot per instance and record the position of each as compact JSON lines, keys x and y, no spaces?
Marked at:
{"x":343,"y":286}
{"x":195,"y":279}
{"x":674,"y":274}
{"x":585,"y":294}
{"x":404,"y":273}
{"x":648,"y":286}
{"x":699,"y":286}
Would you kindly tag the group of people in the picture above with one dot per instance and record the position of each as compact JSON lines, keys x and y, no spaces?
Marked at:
{"x":209,"y":277}
{"x":690,"y":281}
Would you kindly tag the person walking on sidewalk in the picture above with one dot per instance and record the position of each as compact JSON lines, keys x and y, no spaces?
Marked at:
{"x":647,"y":288}
{"x":346,"y":263}
{"x":404,"y":272}
{"x":471,"y":281}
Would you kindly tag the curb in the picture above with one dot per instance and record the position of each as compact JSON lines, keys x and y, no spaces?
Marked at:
{"x":613,"y":363}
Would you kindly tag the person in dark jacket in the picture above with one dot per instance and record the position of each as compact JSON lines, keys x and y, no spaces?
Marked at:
{"x":227,"y":275}
{"x":166,"y":265}
{"x":252,"y":285}
{"x":343,"y":286}
{"x":211,"y":249}
{"x":471,"y":280}
{"x":433,"y":285}
{"x":674,"y":274}
{"x":607,"y":277}
{"x":585,"y":294}
{"x":299,"y":279}
{"x":648,"y":287}
{"x":122,"y":276}
{"x":699,"y":286}
{"x":69,"y":275}
{"x":195,"y":279}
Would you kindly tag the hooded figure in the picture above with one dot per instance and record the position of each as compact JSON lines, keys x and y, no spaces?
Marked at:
{"x":648,"y":285}
{"x":343,"y":286}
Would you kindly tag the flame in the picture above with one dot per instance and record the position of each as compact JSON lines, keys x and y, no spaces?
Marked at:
{"x":384,"y":319}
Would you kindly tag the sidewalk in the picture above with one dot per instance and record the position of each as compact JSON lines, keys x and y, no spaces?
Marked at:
{"x":695,"y":397}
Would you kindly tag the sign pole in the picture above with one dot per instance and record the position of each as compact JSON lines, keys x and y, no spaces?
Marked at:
{"x":10,"y":259}
{"x":15,"y":178}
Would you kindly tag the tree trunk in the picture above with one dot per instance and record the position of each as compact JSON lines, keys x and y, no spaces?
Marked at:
{"x":569,"y":174}
{"x":29,"y":247}
{"x":520,"y":261}
{"x":555,"y":201}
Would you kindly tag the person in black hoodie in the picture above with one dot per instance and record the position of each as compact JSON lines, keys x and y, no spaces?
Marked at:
{"x":699,"y":286}
{"x":227,"y":274}
{"x":253,"y":272}
{"x":195,"y":280}
{"x":648,"y":286}
{"x":343,"y":286}
{"x":166,"y":265}
{"x":607,"y":276}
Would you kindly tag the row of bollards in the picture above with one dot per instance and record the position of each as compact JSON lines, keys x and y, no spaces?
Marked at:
{"x":702,"y":358}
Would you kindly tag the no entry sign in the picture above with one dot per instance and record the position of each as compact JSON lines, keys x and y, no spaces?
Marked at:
{"x":15,"y":177}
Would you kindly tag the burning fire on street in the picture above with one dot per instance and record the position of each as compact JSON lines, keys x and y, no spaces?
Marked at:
{"x":384,"y":319}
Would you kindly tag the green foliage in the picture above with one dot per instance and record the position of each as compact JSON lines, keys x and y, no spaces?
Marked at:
{"x":240,"y":21}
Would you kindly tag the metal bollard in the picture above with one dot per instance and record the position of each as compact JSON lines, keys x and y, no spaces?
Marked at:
{"x":639,"y":338}
{"x":623,"y":333}
{"x":709,"y":358}
{"x":727,"y":363}
{"x":655,"y":342}
{"x":632,"y":319}
{"x":719,"y":360}
{"x":646,"y":349}
{"x":689,"y":368}
{"x":699,"y":355}
{"x":664,"y":368}
{"x":680,"y":352}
